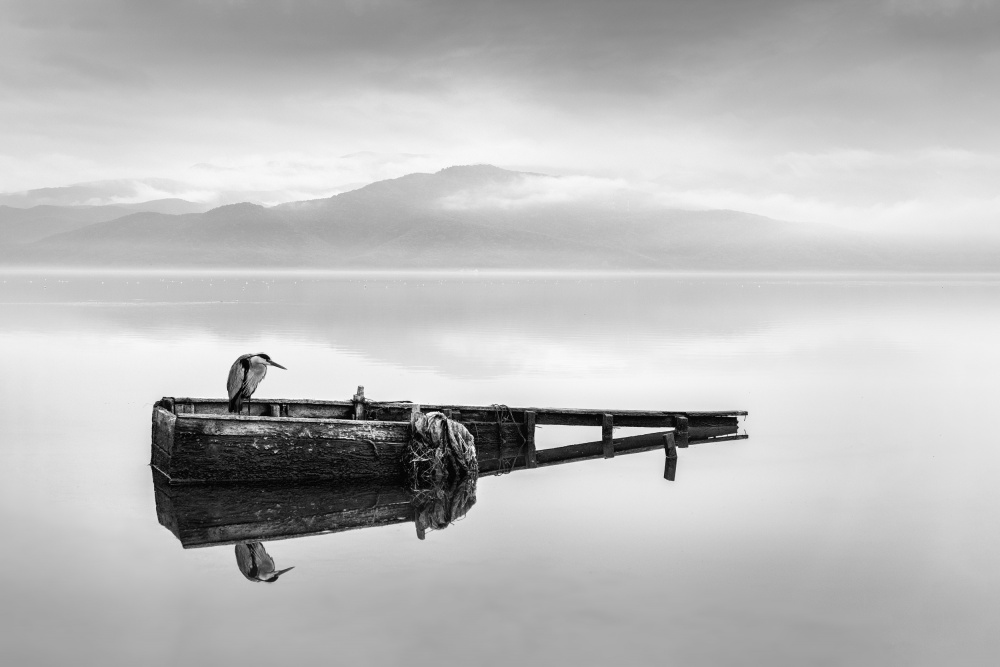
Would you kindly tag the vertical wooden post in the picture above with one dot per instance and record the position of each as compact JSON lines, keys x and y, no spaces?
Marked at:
{"x":670,"y":448}
{"x":359,"y":404}
{"x":274,"y":410}
{"x":682,"y":426}
{"x":530,"y":460}
{"x":607,"y":435}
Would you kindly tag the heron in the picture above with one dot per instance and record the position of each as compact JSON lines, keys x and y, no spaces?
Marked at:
{"x":244,"y":376}
{"x":255,"y":564}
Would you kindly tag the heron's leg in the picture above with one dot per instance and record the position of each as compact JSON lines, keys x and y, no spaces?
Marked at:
{"x":248,"y":406}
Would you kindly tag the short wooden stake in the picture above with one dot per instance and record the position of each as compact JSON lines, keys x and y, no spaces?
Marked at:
{"x":670,"y":448}
{"x":682,"y":426}
{"x":530,"y":460}
{"x":608,"y":435}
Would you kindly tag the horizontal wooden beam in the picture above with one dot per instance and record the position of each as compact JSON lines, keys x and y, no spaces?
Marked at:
{"x":400,"y":411}
{"x":462,"y":408}
{"x":721,"y":438}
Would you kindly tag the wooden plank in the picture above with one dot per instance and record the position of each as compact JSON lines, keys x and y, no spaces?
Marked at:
{"x":551,"y":410}
{"x":560,"y":416}
{"x":623,"y":419}
{"x":595,"y":450}
{"x":234,"y":448}
{"x":530,"y":459}
{"x":713,"y":422}
{"x":294,"y":401}
{"x":299,"y":409}
{"x":253,"y":458}
{"x":722,"y":438}
{"x":586,"y":452}
{"x":607,"y":435}
{"x":289,"y":428}
{"x":159,"y":459}
{"x":701,"y":434}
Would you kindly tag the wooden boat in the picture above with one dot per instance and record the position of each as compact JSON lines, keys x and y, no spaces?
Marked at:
{"x":196,"y":439}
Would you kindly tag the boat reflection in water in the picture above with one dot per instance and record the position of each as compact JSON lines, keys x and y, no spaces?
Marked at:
{"x":246,"y":515}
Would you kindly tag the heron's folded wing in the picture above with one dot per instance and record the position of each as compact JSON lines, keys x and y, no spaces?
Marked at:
{"x":236,"y":374}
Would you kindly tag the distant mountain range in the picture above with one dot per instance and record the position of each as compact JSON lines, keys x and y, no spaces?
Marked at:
{"x":467,"y":217}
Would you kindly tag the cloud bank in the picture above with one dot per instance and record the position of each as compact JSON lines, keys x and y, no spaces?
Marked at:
{"x":818,"y":111}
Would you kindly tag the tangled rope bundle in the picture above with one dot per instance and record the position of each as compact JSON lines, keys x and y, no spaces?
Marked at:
{"x":436,"y":507}
{"x":440,"y":450}
{"x":443,"y":470}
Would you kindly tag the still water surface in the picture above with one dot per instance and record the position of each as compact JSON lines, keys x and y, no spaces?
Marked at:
{"x":857,"y":525}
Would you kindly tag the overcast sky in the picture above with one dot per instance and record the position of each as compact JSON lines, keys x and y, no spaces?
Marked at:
{"x":858,"y":111}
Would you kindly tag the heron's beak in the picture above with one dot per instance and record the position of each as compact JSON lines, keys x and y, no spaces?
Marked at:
{"x":280,"y":572}
{"x":272,"y":363}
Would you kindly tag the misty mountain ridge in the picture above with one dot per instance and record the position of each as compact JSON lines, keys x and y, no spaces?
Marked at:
{"x":462,"y":217}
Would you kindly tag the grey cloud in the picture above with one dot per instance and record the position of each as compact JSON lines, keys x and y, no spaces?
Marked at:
{"x":667,"y":49}
{"x":583,"y":79}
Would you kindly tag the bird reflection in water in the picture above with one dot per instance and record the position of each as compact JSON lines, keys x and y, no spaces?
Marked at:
{"x":256,"y":564}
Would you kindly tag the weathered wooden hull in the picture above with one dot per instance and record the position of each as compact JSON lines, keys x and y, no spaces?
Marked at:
{"x":228,"y":448}
{"x":197,"y":440}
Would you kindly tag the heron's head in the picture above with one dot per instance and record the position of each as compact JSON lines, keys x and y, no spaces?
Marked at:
{"x":267,"y":360}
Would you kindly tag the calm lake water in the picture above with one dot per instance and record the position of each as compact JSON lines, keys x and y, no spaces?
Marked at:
{"x":856,"y":526}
